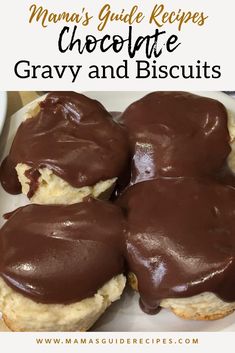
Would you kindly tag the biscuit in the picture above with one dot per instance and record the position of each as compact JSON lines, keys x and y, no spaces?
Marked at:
{"x":180,"y":244}
{"x":204,"y":306}
{"x":23,"y":314}
{"x":67,"y":148}
{"x":54,"y":190}
{"x":60,"y":265}
{"x":176,"y":134}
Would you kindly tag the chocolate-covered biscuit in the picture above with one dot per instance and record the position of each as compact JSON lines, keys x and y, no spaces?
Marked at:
{"x":180,"y":240}
{"x":174,"y":134}
{"x":60,"y":254}
{"x":74,"y":137}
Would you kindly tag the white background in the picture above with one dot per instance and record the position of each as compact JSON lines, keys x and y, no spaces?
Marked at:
{"x":212,"y":42}
{"x":207,"y":343}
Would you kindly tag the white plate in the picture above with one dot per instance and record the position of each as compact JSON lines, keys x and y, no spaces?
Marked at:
{"x":3,"y":109}
{"x":126,"y":315}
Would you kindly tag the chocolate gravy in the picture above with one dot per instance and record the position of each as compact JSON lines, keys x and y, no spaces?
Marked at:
{"x":61,"y":254}
{"x":116,"y":115}
{"x":176,"y":134}
{"x":180,"y":240}
{"x":72,"y":135}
